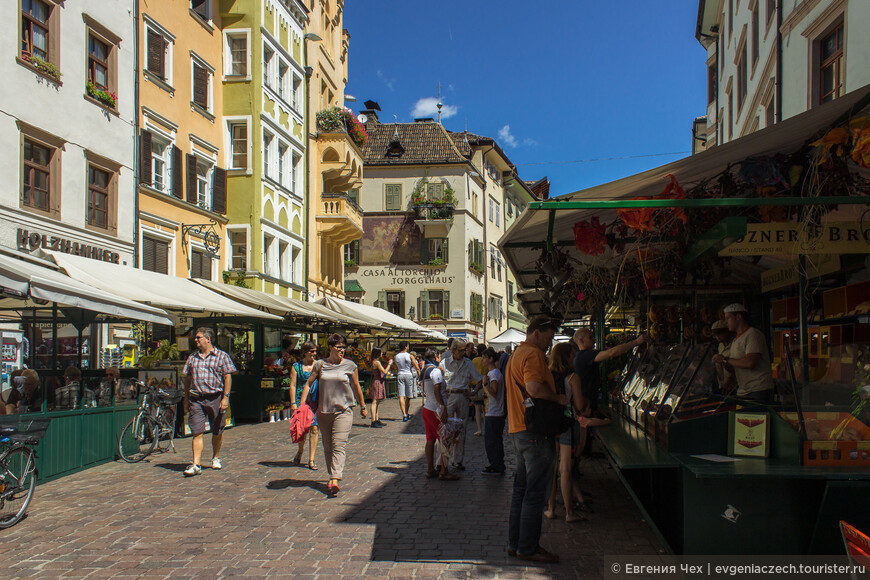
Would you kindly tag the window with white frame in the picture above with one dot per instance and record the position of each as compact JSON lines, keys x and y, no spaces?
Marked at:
{"x":296,"y":175}
{"x":296,"y":268}
{"x":268,"y":147}
{"x":491,"y":208}
{"x":237,"y":53}
{"x":161,"y":163}
{"x":269,"y":258}
{"x":238,"y":138}
{"x":202,"y":8}
{"x":268,"y":58}
{"x":297,"y":93}
{"x":497,"y":214}
{"x":283,"y":158}
{"x":283,"y":81}
{"x":239,"y":249}
{"x":204,"y":173}
{"x":159,"y":43}
{"x":284,"y":260}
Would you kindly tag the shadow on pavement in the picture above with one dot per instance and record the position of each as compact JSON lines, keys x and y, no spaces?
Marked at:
{"x":281,"y":464}
{"x":179,"y":467}
{"x":278,"y":484}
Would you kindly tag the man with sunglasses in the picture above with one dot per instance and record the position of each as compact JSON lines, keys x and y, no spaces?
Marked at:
{"x":459,"y":372}
{"x":207,"y":381}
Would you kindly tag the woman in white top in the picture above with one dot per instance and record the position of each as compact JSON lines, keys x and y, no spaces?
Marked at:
{"x":405,"y":362}
{"x":496,"y":414}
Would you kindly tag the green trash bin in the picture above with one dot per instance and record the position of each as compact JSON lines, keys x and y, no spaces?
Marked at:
{"x":391,"y":386}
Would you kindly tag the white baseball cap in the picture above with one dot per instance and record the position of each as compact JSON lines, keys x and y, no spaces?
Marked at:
{"x":736,"y":307}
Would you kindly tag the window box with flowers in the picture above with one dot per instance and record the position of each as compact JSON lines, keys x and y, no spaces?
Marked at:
{"x":350,"y":264}
{"x":44,"y":67}
{"x":436,"y":317}
{"x":342,"y":120}
{"x":105,"y":97}
{"x":475,"y":268}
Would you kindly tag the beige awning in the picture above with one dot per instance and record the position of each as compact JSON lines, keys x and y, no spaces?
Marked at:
{"x":171,"y":293}
{"x":383,"y":317}
{"x":25,"y":280}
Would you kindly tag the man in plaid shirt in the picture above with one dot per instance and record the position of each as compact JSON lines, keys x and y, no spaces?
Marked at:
{"x":207,"y":381}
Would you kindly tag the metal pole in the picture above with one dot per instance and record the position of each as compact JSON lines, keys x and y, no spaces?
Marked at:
{"x":803,"y":313}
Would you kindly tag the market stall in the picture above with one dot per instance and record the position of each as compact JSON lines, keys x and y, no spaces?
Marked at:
{"x":775,"y":221}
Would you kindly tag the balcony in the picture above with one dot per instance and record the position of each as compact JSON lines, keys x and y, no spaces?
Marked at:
{"x":340,"y":138}
{"x":339,"y":218}
{"x":434,"y":219}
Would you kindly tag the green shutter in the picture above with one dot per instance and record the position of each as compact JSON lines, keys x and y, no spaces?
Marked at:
{"x":445,"y":252}
{"x":435,"y":191}
{"x":402,"y":312}
{"x":424,"y":251}
{"x":382,"y":300}
{"x":445,"y":303}
{"x":424,"y":305}
{"x":393,"y":197}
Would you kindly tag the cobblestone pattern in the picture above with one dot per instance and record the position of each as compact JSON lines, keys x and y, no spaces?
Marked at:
{"x":262,"y":516}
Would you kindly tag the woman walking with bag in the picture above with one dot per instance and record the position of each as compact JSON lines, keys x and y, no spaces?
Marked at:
{"x":378,"y":390}
{"x":338,"y":384}
{"x":299,"y":373}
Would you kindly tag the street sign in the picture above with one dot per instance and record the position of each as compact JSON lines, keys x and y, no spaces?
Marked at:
{"x":457,"y":334}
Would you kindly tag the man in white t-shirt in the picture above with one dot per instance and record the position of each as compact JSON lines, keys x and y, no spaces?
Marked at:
{"x":406,"y":364}
{"x":747,"y":356}
{"x":434,"y":411}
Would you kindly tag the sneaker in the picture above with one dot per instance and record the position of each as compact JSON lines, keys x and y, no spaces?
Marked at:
{"x":216,"y":463}
{"x":405,"y":418}
{"x":377,"y":425}
{"x":192,"y":470}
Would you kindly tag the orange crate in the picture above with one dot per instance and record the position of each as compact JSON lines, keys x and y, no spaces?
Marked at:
{"x":834,"y":302}
{"x":779,"y":311}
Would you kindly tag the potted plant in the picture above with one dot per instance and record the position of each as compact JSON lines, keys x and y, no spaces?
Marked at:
{"x":476,"y":268}
{"x":105,"y":97}
{"x":350,"y":264}
{"x":436,"y":262}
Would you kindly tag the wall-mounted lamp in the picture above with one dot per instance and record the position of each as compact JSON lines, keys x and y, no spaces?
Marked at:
{"x":349,"y":98}
{"x":312,"y":36}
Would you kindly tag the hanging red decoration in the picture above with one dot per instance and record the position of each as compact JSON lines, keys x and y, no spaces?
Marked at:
{"x":589,"y":237}
{"x":639,"y":218}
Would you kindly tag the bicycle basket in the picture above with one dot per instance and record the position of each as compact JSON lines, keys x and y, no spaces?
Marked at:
{"x":170,"y":396}
{"x":29,"y":428}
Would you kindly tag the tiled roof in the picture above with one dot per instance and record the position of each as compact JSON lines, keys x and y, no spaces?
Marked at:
{"x":424,"y":143}
{"x":541,"y":187}
{"x":352,"y":286}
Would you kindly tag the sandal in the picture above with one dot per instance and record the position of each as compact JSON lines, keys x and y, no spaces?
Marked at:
{"x":297,"y":460}
{"x":448,"y":477}
{"x":312,"y":466}
{"x":431,"y":474}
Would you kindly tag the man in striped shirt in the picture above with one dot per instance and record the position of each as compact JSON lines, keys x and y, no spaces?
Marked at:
{"x":207,"y":382}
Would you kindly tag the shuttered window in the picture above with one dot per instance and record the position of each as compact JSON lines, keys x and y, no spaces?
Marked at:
{"x":155,"y":255}
{"x":156,"y":54}
{"x":434,"y":304}
{"x":393,"y":197}
{"x":476,"y":308}
{"x":200,"y":265}
{"x":434,"y":191}
{"x":200,"y":86}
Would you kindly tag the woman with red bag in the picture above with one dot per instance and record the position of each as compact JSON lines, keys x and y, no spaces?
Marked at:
{"x":299,"y":374}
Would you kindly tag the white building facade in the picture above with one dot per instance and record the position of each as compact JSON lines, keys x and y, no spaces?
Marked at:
{"x":768,"y":60}
{"x":66,"y":138}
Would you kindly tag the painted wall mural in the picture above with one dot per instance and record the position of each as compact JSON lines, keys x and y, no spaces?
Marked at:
{"x":390,"y":240}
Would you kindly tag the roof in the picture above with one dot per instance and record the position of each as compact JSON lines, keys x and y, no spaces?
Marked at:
{"x":424,"y":143}
{"x":352,"y":286}
{"x":473,"y":139}
{"x":541,"y":187}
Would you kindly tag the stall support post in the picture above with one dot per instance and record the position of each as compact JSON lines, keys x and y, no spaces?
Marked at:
{"x":598,"y":328}
{"x":259,"y":346}
{"x":803,"y":312}
{"x":53,"y":336}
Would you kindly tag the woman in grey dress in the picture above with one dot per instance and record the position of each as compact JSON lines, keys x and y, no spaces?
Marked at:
{"x":338,"y":385}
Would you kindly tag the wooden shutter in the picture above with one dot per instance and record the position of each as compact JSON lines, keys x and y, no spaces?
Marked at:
{"x":200,"y":86}
{"x":424,"y":251}
{"x":402,"y":304}
{"x":191,"y":179}
{"x":145,"y":157}
{"x":444,"y":250}
{"x":161,"y":257}
{"x":445,"y":303}
{"x":148,"y":254}
{"x":382,"y":300}
{"x":156,"y":52}
{"x":219,"y":191}
{"x":424,"y":304}
{"x":196,"y":264}
{"x":393,"y":197}
{"x":177,"y":173}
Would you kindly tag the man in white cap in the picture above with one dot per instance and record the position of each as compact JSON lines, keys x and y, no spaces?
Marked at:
{"x":747,"y":356}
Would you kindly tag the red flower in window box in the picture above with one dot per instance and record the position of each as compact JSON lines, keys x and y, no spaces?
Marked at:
{"x":589,"y":237}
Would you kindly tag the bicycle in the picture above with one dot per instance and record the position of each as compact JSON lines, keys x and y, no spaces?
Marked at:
{"x":18,"y":471}
{"x":153,"y":426}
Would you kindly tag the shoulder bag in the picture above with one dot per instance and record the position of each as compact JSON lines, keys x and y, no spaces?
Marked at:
{"x":543,"y":416}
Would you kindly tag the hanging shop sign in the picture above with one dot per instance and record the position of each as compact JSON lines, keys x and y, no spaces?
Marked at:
{"x":797,"y":238}
{"x":786,"y":276}
{"x":29,"y":241}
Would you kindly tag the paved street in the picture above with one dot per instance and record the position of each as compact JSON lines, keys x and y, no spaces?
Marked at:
{"x":261,"y":516}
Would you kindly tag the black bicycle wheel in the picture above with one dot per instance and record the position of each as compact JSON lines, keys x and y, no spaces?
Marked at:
{"x":138,"y":439}
{"x":167,"y":427}
{"x":18,"y":468}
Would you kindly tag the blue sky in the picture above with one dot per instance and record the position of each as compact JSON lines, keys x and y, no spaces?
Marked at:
{"x":551,"y":81}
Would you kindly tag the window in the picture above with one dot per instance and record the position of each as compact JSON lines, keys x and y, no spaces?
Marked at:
{"x":434,"y":191}
{"x":239,"y":249}
{"x":98,"y":197}
{"x":476,"y":308}
{"x":202,"y":75}
{"x":353,"y":195}
{"x":239,"y":145}
{"x":741,"y":79}
{"x":159,"y":52}
{"x":831,"y":65}
{"x":434,"y":250}
{"x":35,"y":29}
{"x":284,"y":260}
{"x":351,"y":252}
{"x":283,"y":177}
{"x":755,"y":38}
{"x":711,"y":83}
{"x":269,"y":256}
{"x":475,"y":254}
{"x":494,"y":310}
{"x":395,"y":303}
{"x":200,"y":174}
{"x":36,"y":192}
{"x":238,"y":54}
{"x":730,"y":17}
{"x":475,"y":202}
{"x":497,"y":215}
{"x":160,"y":175}
{"x":491,"y":208}
{"x":769,"y":118}
{"x":268,"y":57}
{"x":510,"y":292}
{"x":200,"y":265}
{"x":283,"y":81}
{"x":98,"y":63}
{"x":296,"y":173}
{"x":267,"y":154}
{"x":509,"y":208}
{"x":202,"y":8}
{"x":434,"y":304}
{"x":155,"y":255}
{"x":730,"y":116}
{"x":297,"y":92}
{"x":393,"y":197}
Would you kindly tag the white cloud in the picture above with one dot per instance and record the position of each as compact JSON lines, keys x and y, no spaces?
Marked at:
{"x":529,"y":142}
{"x":504,"y":135}
{"x":387,"y":81}
{"x":428,"y":107}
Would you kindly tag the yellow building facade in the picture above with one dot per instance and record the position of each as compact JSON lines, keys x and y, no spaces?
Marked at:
{"x":182,"y":188}
{"x":335,"y":158}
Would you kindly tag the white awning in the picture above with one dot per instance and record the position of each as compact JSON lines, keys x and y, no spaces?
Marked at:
{"x":178,"y":295}
{"x":383,"y":318}
{"x":26,"y":280}
{"x":510,"y":337}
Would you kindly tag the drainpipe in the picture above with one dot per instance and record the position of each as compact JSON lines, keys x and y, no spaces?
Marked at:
{"x":308,"y":72}
{"x":778,"y":84}
{"x":485,"y":245}
{"x":136,"y":160}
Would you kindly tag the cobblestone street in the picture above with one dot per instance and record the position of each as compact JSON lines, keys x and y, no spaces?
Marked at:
{"x":262,"y":516}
